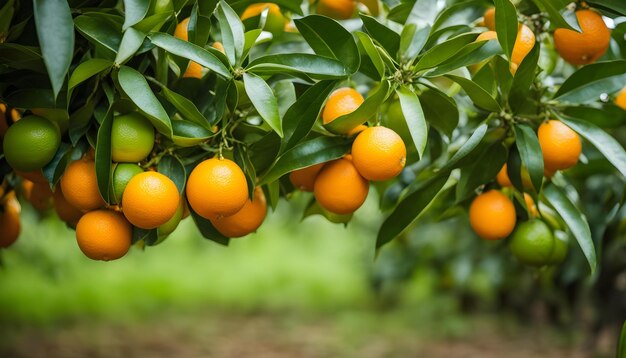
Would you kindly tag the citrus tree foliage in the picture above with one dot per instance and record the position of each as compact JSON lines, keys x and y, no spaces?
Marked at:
{"x":467,"y":108}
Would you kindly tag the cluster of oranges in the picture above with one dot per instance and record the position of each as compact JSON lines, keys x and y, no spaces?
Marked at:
{"x":577,"y":48}
{"x":378,"y":153}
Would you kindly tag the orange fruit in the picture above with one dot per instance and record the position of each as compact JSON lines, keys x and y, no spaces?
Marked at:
{"x":378,"y":153}
{"x":275,"y":22}
{"x":620,"y":99}
{"x":336,"y":9}
{"x":560,"y":145}
{"x":181,"y":30}
{"x":356,"y":130}
{"x":504,"y":181}
{"x":10,"y":226}
{"x":194,"y":70}
{"x":339,"y":188}
{"x":245,"y":221}
{"x":304,"y":179}
{"x":104,"y":235}
{"x":487,"y":35}
{"x":38,"y":194}
{"x":341,"y":102}
{"x":217,"y":187}
{"x":582,"y":48}
{"x":219,"y":46}
{"x":65,"y":210}
{"x":524,"y":43}
{"x":492,"y":215}
{"x":490,"y":19}
{"x":530,"y":205}
{"x":150,"y":200}
{"x":80,"y":186}
{"x":36,"y":176}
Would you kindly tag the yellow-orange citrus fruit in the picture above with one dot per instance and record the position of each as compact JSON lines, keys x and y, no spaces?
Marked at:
{"x":372,"y":5}
{"x":620,"y":99}
{"x":38,"y":194}
{"x":194,"y":70}
{"x":561,"y":146}
{"x":492,"y":215}
{"x":356,"y":130}
{"x":336,"y":9}
{"x":150,"y":200}
{"x":378,"y":153}
{"x":104,"y":235}
{"x":487,"y":35}
{"x":219,"y":46}
{"x":503,"y":177}
{"x":9,"y":220}
{"x":181,"y":30}
{"x":217,"y":187}
{"x":245,"y":221}
{"x":36,"y":176}
{"x":530,"y":205}
{"x":582,"y":48}
{"x":304,"y":179}
{"x":339,"y":188}
{"x":524,"y":43}
{"x":65,"y":210}
{"x":341,"y":102}
{"x":80,"y":186}
{"x":490,"y":19}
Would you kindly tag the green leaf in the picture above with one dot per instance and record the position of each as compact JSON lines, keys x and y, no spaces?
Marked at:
{"x":100,"y":31}
{"x":470,"y":54}
{"x":412,"y":41}
{"x":53,"y":171}
{"x":137,"y":89}
{"x":173,"y":168}
{"x":477,"y":94}
{"x":329,"y":39}
{"x":131,"y":42}
{"x":189,"y":134}
{"x":414,"y":117}
{"x":207,"y":229}
{"x":440,"y":110}
{"x":191,"y":52}
{"x":506,"y":25}
{"x":443,"y":51}
{"x":367,"y":110}
{"x":458,"y":14}
{"x":552,"y":7}
{"x":135,"y":11}
{"x":466,"y":149}
{"x":232,"y":31}
{"x":264,"y":101}
{"x":301,"y":116}
{"x":103,"y":155}
{"x":481,"y":171}
{"x":86,"y":70}
{"x":409,"y":210}
{"x":186,"y":108}
{"x":319,"y":150}
{"x":530,"y":151}
{"x":617,"y":6}
{"x":21,"y":57}
{"x":574,"y":219}
{"x":589,"y":82}
{"x":621,"y":346}
{"x":372,"y":53}
{"x":524,"y":78}
{"x":386,"y":37}
{"x":312,"y":65}
{"x":607,"y":145}
{"x":55,"y":30}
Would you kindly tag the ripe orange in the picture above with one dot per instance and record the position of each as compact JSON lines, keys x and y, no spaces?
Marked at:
{"x":275,"y":22}
{"x":65,"y":210}
{"x":530,"y":205}
{"x":487,"y":35}
{"x":219,"y":46}
{"x":304,"y":179}
{"x":339,"y":188}
{"x":217,"y":187}
{"x":341,"y":102}
{"x":245,"y":221}
{"x":80,"y":186}
{"x":181,"y":30}
{"x":504,"y":181}
{"x":194,"y":70}
{"x":104,"y":235}
{"x":150,"y":200}
{"x":336,"y":9}
{"x":378,"y":153}
{"x":492,"y":215}
{"x":620,"y":99}
{"x":490,"y":18}
{"x":10,"y":226}
{"x":38,"y":194}
{"x":560,"y":145}
{"x":524,"y":43}
{"x":587,"y":46}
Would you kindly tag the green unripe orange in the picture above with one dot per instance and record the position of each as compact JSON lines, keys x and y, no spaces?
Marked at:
{"x":132,"y":138}
{"x":122,"y":174}
{"x":31,"y":143}
{"x":533,"y":243}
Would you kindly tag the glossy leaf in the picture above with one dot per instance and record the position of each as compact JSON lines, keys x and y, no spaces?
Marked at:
{"x":103,"y":156}
{"x":552,"y":7}
{"x":173,"y":168}
{"x":506,"y":25}
{"x":88,"y":69}
{"x":264,"y":101}
{"x":367,"y":110}
{"x":135,"y":11}
{"x":207,"y":230}
{"x":477,"y":94}
{"x":524,"y":78}
{"x":574,"y":219}
{"x":386,"y":37}
{"x":55,"y":30}
{"x":232,"y":31}
{"x":372,"y":53}
{"x":481,"y":171}
{"x":589,"y":82}
{"x":414,"y":117}
{"x":185,"y":107}
{"x":189,"y":134}
{"x":530,"y":151}
{"x":311,"y":65}
{"x":100,"y":30}
{"x":443,"y":51}
{"x":131,"y":42}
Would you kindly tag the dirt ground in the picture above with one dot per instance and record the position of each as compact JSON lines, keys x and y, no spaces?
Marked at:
{"x":277,"y":336}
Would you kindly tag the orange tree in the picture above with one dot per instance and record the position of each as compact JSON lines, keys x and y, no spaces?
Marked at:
{"x":128,"y":116}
